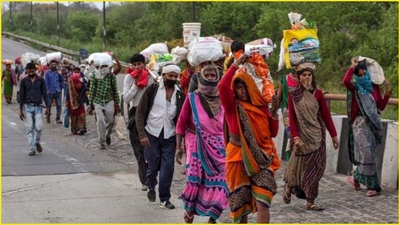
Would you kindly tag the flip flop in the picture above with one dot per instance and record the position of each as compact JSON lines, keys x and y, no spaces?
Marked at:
{"x":353,"y":183}
{"x":371,"y":193}
{"x":187,"y":218}
{"x":315,"y":207}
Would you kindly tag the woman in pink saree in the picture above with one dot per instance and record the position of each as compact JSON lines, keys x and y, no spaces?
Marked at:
{"x":206,"y":191}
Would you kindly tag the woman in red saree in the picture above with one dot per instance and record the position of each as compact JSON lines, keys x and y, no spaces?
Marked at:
{"x":75,"y":102}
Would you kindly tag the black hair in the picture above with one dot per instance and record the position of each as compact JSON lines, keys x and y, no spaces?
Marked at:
{"x":359,"y":67}
{"x":137,"y":58}
{"x":76,"y":68}
{"x":236,"y":46}
{"x":30,"y":66}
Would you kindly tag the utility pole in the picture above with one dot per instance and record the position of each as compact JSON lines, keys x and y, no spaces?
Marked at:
{"x":104,"y":25}
{"x":10,"y":17}
{"x":194,"y":11}
{"x":58,"y":25}
{"x":31,"y":17}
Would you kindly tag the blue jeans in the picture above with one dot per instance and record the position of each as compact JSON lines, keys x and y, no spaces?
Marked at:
{"x":57,"y":97}
{"x":33,"y":122}
{"x":160,"y":157}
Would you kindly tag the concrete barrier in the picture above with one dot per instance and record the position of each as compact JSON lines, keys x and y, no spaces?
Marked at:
{"x":337,"y":161}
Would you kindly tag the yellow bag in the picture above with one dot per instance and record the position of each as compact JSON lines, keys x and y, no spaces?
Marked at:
{"x":301,"y":46}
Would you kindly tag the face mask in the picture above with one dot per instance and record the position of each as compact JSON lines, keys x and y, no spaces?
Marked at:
{"x":31,"y":75}
{"x":53,"y":68}
{"x":104,"y":71}
{"x":306,"y":82}
{"x":169,"y":83}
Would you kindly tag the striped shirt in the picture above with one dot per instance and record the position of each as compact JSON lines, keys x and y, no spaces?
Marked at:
{"x":102,"y":91}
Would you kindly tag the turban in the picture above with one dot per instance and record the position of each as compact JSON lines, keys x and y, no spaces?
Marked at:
{"x":170,"y":69}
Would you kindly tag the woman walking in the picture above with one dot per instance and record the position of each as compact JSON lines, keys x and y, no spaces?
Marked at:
{"x":364,"y":103}
{"x":308,"y":117}
{"x":9,"y":80}
{"x":75,"y":102}
{"x":201,"y":119}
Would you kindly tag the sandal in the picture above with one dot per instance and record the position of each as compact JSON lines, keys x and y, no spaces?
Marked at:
{"x":286,"y":196}
{"x":371,"y":193}
{"x":353,"y":183}
{"x":188,"y":218}
{"x":315,"y":207}
{"x":211,"y":220}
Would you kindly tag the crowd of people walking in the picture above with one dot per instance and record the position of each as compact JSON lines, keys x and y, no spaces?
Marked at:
{"x":220,"y":119}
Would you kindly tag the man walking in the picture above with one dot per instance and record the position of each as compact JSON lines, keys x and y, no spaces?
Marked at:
{"x":135,"y":84}
{"x":156,"y":117}
{"x":104,"y":99}
{"x":54,"y":84}
{"x":31,"y":92}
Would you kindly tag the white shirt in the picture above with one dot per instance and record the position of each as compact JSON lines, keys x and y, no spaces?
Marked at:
{"x":132,"y":93}
{"x":162,"y":114}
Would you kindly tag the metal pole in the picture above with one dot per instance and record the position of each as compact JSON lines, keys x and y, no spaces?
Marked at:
{"x":58,"y":25}
{"x":104,"y":25}
{"x":194,"y":11}
{"x":10,"y":17}
{"x":31,"y":17}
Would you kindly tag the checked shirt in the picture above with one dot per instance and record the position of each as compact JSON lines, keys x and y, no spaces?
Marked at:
{"x":102,"y":91}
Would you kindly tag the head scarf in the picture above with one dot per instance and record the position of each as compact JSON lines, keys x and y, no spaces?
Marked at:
{"x":255,"y":95}
{"x":208,"y":92}
{"x":170,"y":69}
{"x":297,"y":92}
{"x":363,"y":84}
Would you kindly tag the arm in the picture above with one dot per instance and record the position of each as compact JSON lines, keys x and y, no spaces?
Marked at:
{"x":91,"y":90}
{"x":115,"y":89}
{"x":326,"y":114}
{"x":347,"y":79}
{"x":22,"y":94}
{"x":140,"y":113}
{"x":44,"y":94}
{"x":382,"y":102}
{"x":183,"y":120}
{"x":116,"y":72}
{"x":130,"y":89}
{"x":47,"y":80}
{"x":273,"y":126}
{"x":292,"y":119}
{"x":224,"y":88}
{"x":279,"y":94}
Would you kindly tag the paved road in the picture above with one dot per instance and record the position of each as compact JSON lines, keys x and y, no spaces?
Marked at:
{"x":109,"y":177}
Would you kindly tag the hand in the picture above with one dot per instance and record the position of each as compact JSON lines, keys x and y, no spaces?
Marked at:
{"x":178,"y":155}
{"x":90,"y":111}
{"x":116,"y":109}
{"x":335,"y":143}
{"x":46,"y":111}
{"x":354,"y":62}
{"x":21,"y":115}
{"x":241,"y":59}
{"x":275,"y":107}
{"x":388,"y":87}
{"x":298,"y":142}
{"x":145,"y":142}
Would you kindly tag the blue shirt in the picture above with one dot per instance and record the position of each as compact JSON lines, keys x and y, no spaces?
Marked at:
{"x":54,"y":82}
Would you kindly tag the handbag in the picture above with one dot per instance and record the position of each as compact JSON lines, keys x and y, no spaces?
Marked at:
{"x":66,"y":118}
{"x":120,"y":127}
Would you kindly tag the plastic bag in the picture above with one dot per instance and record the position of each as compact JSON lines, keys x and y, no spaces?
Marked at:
{"x":263,"y":49}
{"x":29,"y":57}
{"x":178,"y":54}
{"x":120,"y":127}
{"x":159,"y":60}
{"x":204,"y":49}
{"x":43,"y":61}
{"x":159,"y":48}
{"x":54,"y":55}
{"x":66,"y":118}
{"x":301,"y":46}
{"x":282,"y":61}
{"x":97,"y":57}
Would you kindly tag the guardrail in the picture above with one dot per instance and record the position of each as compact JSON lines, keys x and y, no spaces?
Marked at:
{"x":340,"y":97}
